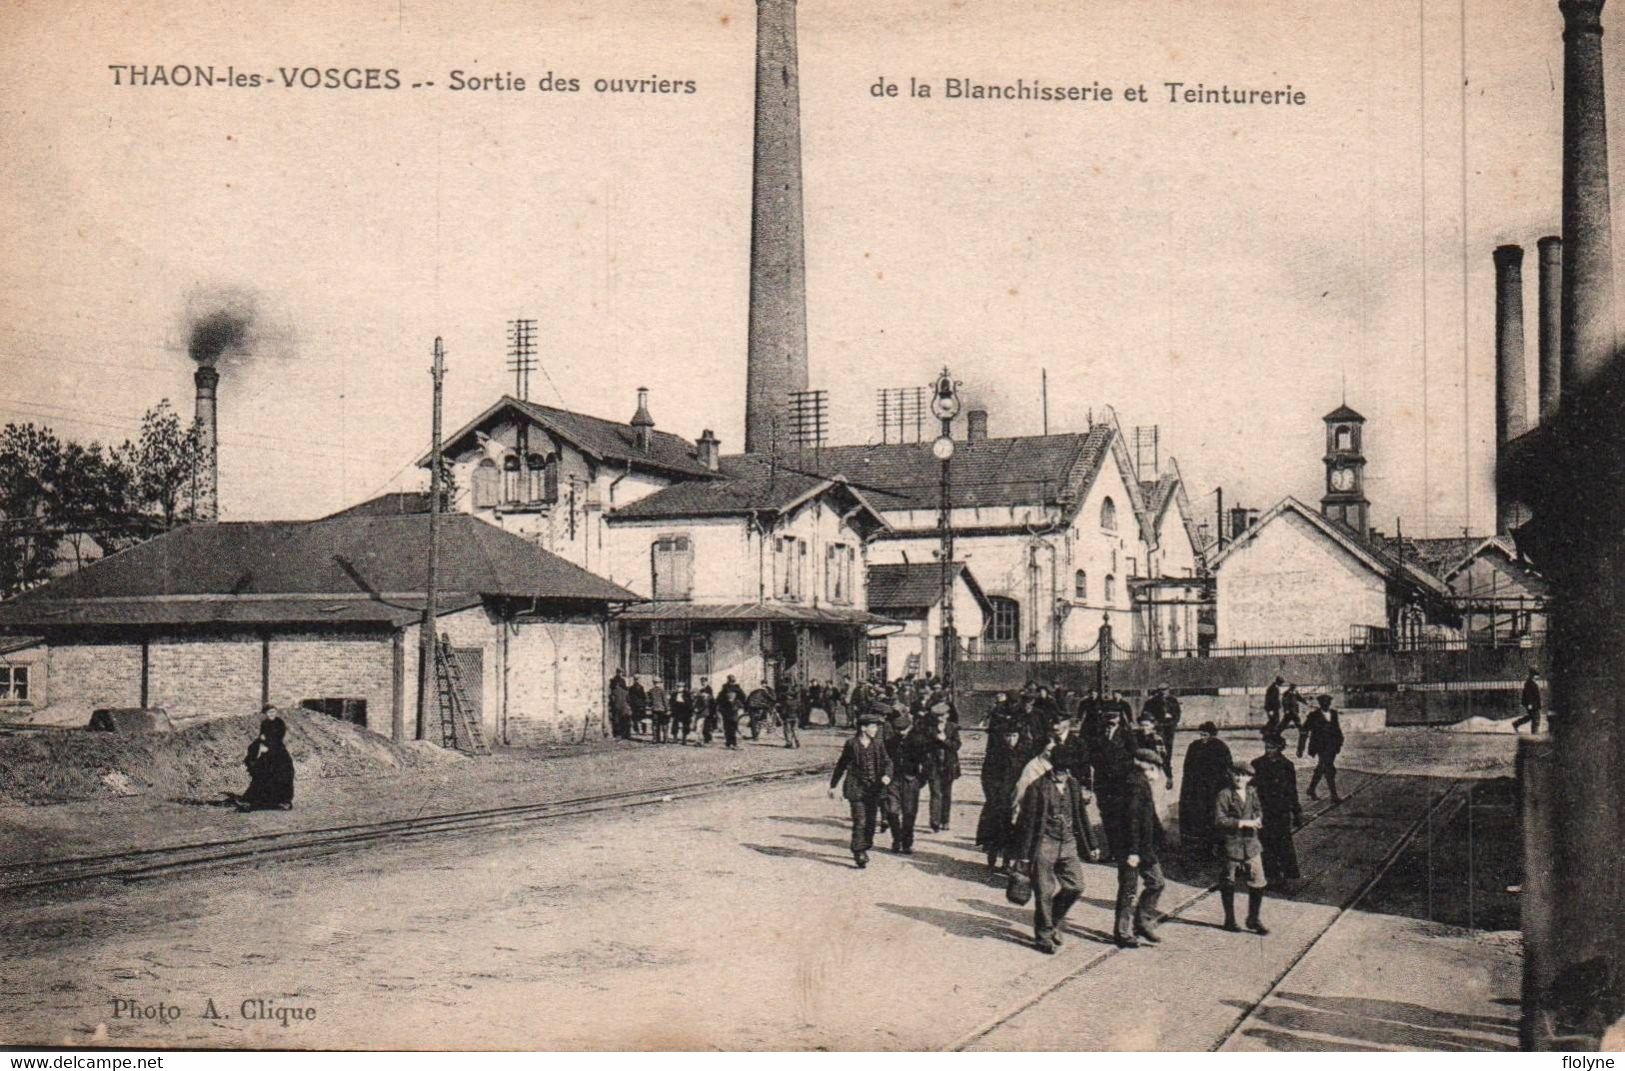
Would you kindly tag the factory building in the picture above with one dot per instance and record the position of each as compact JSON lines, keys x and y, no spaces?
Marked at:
{"x":220,"y":619}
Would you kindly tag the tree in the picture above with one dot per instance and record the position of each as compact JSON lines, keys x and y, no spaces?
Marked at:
{"x":164,"y":463}
{"x":30,"y":463}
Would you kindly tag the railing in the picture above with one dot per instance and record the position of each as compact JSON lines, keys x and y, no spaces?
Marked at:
{"x":985,"y":652}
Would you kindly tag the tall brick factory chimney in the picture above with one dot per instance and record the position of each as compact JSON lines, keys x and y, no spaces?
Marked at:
{"x":206,"y":498}
{"x":1511,"y":392}
{"x":778,"y":275}
{"x":1587,"y":314}
{"x":1573,"y":901}
{"x":1550,"y":328}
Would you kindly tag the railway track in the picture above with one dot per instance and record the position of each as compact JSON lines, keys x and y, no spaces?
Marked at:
{"x":148,"y":863}
{"x":1396,"y":850}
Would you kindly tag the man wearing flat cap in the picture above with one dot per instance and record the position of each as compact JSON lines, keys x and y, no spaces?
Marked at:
{"x":1239,"y":816}
{"x":1054,"y":837}
{"x":867,"y":771}
{"x":1141,"y":862}
{"x":907,"y":749}
{"x":941,"y":734}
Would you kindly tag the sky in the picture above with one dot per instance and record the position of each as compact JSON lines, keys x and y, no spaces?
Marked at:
{"x":1226,"y":274}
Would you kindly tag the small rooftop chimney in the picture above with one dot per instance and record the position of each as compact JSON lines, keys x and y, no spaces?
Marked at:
{"x":642,"y":423}
{"x":710,"y":450}
{"x":976,"y":425}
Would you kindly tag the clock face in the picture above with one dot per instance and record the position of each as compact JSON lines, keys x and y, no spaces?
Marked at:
{"x":1342,"y":479}
{"x":943,"y":448}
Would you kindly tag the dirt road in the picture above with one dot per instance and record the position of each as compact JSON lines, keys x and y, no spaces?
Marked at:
{"x":735,"y":921}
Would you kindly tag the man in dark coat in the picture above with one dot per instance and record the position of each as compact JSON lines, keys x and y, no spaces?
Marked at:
{"x":620,"y":708}
{"x":1275,"y":778}
{"x":1054,"y":839}
{"x":1325,"y":741}
{"x":659,"y":711}
{"x":1272,"y":705}
{"x":1164,"y":706}
{"x":1291,"y":709}
{"x":1001,"y":765}
{"x":1531,"y":704}
{"x":867,"y":771}
{"x":941,"y":763}
{"x":270,"y":769}
{"x":909,"y":751}
{"x":639,"y":699}
{"x":1239,"y":816}
{"x":1205,"y":773}
{"x":1111,"y":766}
{"x":1141,"y":862}
{"x":705,"y":711}
{"x":730,"y":703}
{"x":682,"y":713}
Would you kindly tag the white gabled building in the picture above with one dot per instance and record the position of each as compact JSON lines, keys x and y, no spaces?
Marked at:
{"x":1054,"y":527}
{"x":1296,"y":578}
{"x":551,"y":475}
{"x":760,"y":575}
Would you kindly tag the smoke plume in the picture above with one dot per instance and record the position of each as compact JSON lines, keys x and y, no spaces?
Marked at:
{"x":220,"y":325}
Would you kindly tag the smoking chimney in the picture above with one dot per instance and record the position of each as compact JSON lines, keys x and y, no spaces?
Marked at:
{"x":206,"y":500}
{"x":710,"y":450}
{"x":975,"y":425}
{"x":777,"y":355}
{"x":643,"y":425}
{"x":1550,"y":259}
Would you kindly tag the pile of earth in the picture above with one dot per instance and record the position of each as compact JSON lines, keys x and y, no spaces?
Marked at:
{"x":201,"y":761}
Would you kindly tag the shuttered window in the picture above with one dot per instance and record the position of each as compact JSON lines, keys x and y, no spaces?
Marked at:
{"x":673,"y":568}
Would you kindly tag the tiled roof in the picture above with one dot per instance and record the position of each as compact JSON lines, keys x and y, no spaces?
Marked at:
{"x":381,"y":559}
{"x":609,"y":440}
{"x":1343,"y":412}
{"x":1157,"y":494}
{"x":894,"y":589}
{"x":390,"y":504}
{"x":702,"y":498}
{"x":1028,"y":470}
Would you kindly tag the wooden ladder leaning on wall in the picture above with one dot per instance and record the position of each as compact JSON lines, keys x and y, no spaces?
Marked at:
{"x":459,"y":730}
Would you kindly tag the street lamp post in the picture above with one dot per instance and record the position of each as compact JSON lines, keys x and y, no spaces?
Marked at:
{"x":945,"y":406}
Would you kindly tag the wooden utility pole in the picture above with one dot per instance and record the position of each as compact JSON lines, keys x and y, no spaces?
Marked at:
{"x":427,"y":637}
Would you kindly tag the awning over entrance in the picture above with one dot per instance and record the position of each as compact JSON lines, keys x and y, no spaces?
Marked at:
{"x":751,"y":613}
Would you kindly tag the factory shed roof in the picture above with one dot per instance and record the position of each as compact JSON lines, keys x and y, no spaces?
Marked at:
{"x":1020,"y":471}
{"x":355,"y":568}
{"x":777,"y":492}
{"x":604,"y":440}
{"x":389,"y":504}
{"x":900,"y":588}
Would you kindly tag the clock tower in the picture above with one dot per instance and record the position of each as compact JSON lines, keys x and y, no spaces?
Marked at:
{"x":1344,"y":500}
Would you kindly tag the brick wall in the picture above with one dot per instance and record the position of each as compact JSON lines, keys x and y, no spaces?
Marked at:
{"x":555,"y":682}
{"x":83,"y":677}
{"x":204,"y":676}
{"x":334,"y":665}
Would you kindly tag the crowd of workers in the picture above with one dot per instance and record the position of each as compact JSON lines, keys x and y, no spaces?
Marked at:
{"x":1052,"y":759}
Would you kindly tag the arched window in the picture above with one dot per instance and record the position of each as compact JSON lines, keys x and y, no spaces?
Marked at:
{"x":1108,"y":515}
{"x":487,"y":484}
{"x":511,"y":479}
{"x":1080,"y":585}
{"x":1004,"y":623}
{"x":1111,"y":589}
